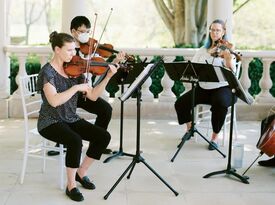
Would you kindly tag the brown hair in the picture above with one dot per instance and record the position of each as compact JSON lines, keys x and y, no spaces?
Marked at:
{"x":59,"y":39}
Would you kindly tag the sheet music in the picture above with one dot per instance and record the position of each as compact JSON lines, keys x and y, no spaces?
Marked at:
{"x":234,"y":83}
{"x":133,"y":86}
{"x":246,"y":97}
{"x":219,"y":74}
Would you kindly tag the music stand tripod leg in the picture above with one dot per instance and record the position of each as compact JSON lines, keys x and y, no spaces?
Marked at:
{"x":137,"y":158}
{"x":119,"y":179}
{"x":193,"y":129}
{"x":229,"y":170}
{"x":156,"y":174}
{"x":185,"y":137}
{"x":131,"y":171}
{"x":210,"y":143}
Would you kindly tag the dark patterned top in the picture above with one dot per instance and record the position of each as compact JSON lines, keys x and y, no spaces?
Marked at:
{"x":66,"y":112}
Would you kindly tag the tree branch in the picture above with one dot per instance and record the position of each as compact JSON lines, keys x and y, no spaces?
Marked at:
{"x":237,"y":9}
{"x":166,"y":15}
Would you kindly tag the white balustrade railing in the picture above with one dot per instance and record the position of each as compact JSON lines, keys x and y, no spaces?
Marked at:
{"x":267,"y":57}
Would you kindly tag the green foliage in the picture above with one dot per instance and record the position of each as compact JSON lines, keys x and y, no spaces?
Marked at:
{"x":255,"y":73}
{"x":178,"y":87}
{"x":14,"y":67}
{"x":156,"y":77}
{"x":272,"y":74}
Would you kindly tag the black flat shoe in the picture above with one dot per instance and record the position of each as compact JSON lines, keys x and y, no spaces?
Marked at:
{"x":267,"y":163}
{"x":107,"y":151}
{"x":85,"y":182}
{"x":74,"y":194}
{"x":212,"y":146}
{"x":52,"y":153}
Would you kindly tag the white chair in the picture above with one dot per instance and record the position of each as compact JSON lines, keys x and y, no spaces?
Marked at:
{"x":35,"y":144}
{"x":203,"y":114}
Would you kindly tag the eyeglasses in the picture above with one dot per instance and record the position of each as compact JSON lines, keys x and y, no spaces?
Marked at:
{"x":86,"y":31}
{"x":215,"y":30}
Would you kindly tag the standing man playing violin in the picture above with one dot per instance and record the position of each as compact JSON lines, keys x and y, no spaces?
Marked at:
{"x":80,"y":30}
{"x":218,"y":95}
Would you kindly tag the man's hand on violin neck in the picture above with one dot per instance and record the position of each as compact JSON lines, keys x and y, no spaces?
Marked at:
{"x":119,"y":57}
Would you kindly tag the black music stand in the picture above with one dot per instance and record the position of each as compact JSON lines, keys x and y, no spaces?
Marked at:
{"x":238,"y":91}
{"x":136,"y":88}
{"x":122,"y":78}
{"x":192,"y":73}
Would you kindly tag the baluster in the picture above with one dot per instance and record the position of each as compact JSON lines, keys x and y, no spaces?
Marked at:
{"x":146,"y":93}
{"x":167,"y":84}
{"x":244,"y":79}
{"x":265,"y":83}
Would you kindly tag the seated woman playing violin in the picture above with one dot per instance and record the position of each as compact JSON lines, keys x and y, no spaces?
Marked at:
{"x":58,"y":120}
{"x":218,"y":95}
{"x":80,"y":30}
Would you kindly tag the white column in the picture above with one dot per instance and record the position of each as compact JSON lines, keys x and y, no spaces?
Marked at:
{"x":221,"y":9}
{"x":4,"y":60}
{"x":70,"y":9}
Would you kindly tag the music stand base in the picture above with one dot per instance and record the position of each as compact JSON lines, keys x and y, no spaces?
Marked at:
{"x":229,"y":172}
{"x":187,"y":136}
{"x":137,"y":159}
{"x":117,"y":154}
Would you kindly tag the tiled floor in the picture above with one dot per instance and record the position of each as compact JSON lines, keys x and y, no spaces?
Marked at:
{"x":159,"y":140}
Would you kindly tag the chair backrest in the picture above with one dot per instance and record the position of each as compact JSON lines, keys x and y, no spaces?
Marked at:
{"x":31,"y":100}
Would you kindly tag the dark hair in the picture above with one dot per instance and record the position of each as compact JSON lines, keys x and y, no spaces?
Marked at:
{"x":78,"y":21}
{"x":59,"y":39}
{"x":208,"y":42}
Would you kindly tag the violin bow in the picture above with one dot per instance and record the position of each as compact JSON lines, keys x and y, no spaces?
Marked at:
{"x":98,"y":42}
{"x":96,"y":46}
{"x":90,"y":47}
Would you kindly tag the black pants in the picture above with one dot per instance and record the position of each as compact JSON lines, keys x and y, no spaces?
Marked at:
{"x":219,"y":99}
{"x":100,"y":107}
{"x":72,"y":134}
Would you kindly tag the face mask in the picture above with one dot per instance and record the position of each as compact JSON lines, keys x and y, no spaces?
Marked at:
{"x":83,"y":37}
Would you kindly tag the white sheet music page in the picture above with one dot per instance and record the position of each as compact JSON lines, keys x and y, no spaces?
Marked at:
{"x":219,"y":73}
{"x":133,"y":86}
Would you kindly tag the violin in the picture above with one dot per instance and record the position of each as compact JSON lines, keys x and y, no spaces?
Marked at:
{"x":104,"y":50}
{"x":97,"y":66}
{"x":222,"y":45}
